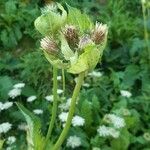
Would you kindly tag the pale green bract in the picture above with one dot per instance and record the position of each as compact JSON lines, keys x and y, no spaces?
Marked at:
{"x":86,"y":61}
{"x":82,"y":21}
{"x":50,"y":22}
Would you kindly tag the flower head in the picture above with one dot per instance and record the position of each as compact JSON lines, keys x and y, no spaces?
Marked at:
{"x":11,"y":140}
{"x":49,"y":45}
{"x":31,"y":98}
{"x":73,"y":142}
{"x":71,"y":34}
{"x":99,"y":33}
{"x":4,"y":106}
{"x":19,"y":85}
{"x":108,"y":131}
{"x":85,"y":41}
{"x":125,"y":93}
{"x":117,"y":121}
{"x":5,"y":127}
{"x":78,"y":121}
{"x":63,"y":116}
{"x":14,"y":93}
{"x":49,"y":98}
{"x":38,"y":111}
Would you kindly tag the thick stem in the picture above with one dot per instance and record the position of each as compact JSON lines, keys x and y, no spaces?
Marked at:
{"x":54,"y":108}
{"x":71,"y":112}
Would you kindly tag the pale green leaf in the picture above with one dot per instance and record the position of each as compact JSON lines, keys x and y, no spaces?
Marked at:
{"x":78,"y":19}
{"x":65,"y":49}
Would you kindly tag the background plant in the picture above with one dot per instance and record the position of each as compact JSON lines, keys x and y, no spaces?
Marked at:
{"x":125,"y":67}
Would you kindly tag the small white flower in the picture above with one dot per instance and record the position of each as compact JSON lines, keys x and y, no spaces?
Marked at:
{"x":31,"y":98}
{"x":19,"y":85}
{"x":23,"y":126}
{"x":49,"y":98}
{"x":65,"y":106}
{"x":114,"y":133}
{"x":95,"y":74}
{"x":63,"y":116}
{"x":108,"y":131}
{"x":38,"y":111}
{"x":11,"y":140}
{"x":5,"y":127}
{"x":78,"y":121}
{"x":59,"y":78}
{"x":6,"y":105}
{"x":59,"y":91}
{"x":103,"y":131}
{"x":86,"y":85}
{"x":14,"y":93}
{"x":73,"y":142}
{"x":125,"y":93}
{"x":117,"y":121}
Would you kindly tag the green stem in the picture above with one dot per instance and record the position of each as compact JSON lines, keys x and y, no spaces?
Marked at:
{"x":145,"y":29}
{"x":54,"y":108}
{"x":63,"y":80}
{"x":71,"y":112}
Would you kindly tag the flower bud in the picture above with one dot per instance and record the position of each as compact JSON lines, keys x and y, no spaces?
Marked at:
{"x":49,"y":45}
{"x":85,"y":41}
{"x":99,"y":33}
{"x":71,"y":34}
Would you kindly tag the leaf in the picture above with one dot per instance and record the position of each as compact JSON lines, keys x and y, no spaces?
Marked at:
{"x":86,"y":112}
{"x":86,"y":61}
{"x":131,"y":74}
{"x":122,"y":142}
{"x":65,"y":49}
{"x":34,"y":137}
{"x":1,"y":143}
{"x":6,"y":84}
{"x":50,"y":22}
{"x":78,"y":19}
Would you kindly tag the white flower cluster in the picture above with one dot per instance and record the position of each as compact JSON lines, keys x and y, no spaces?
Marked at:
{"x":105,"y":131}
{"x":49,"y":98}
{"x":114,"y":120}
{"x":95,"y":74}
{"x":6,"y":105}
{"x":16,"y":91}
{"x":125,"y":93}
{"x":65,"y":106}
{"x":5,"y":127}
{"x":11,"y":140}
{"x":38,"y":111}
{"x":76,"y":121}
{"x":23,"y":126}
{"x":117,"y":121}
{"x":73,"y":142}
{"x":31,"y":98}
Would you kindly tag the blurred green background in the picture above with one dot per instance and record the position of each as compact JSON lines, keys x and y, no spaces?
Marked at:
{"x":125,"y":66}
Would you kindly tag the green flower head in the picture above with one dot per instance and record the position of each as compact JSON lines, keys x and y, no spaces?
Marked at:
{"x":79,"y":43}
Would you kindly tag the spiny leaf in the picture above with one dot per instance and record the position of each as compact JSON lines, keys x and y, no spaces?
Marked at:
{"x":34,"y":137}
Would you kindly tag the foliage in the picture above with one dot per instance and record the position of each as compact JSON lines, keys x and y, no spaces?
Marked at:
{"x":125,"y":66}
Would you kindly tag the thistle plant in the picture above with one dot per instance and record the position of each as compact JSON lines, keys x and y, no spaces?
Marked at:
{"x":71,"y":42}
